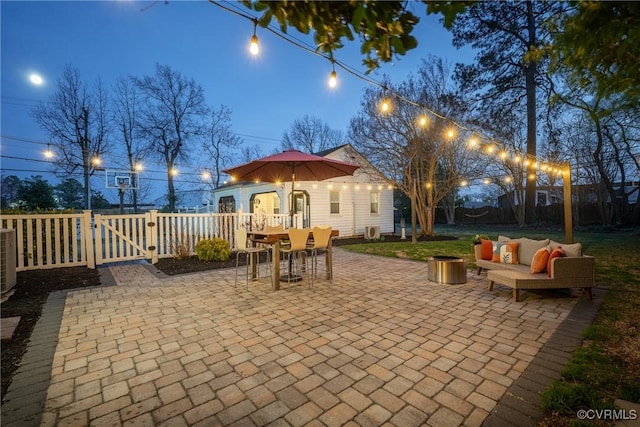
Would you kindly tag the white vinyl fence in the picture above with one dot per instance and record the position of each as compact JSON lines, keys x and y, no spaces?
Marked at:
{"x":69,"y":240}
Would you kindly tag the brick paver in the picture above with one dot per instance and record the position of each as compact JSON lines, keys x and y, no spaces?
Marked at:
{"x":379,"y":345}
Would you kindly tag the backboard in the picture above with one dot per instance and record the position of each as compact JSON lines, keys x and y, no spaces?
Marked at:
{"x":122,"y":179}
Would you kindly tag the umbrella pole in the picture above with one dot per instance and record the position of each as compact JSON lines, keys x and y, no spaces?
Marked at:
{"x":291,"y":277}
{"x":293,"y":186}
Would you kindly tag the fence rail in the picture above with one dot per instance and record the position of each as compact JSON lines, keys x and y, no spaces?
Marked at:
{"x":70,"y":240}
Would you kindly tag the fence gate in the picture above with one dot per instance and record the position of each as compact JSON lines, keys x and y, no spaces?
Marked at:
{"x":124,"y":237}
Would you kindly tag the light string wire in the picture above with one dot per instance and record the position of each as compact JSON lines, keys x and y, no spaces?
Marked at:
{"x":553,"y":166}
{"x":627,"y":158}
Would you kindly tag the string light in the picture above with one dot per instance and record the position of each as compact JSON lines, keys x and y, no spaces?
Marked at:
{"x":451,"y":133}
{"x":385,"y":104}
{"x":206,"y":175}
{"x":173,"y":171}
{"x":48,"y":153}
{"x":253,"y":45}
{"x":96,"y":161}
{"x":423,"y":120}
{"x":333,"y":78}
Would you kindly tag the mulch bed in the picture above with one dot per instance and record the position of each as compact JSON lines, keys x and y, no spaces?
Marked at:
{"x":30,"y":294}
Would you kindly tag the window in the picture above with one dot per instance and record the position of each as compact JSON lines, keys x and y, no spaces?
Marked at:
{"x":375,"y":201}
{"x":227,"y":204}
{"x":334,"y":202}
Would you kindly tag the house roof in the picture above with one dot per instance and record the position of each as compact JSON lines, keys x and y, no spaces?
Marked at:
{"x":326,"y":152}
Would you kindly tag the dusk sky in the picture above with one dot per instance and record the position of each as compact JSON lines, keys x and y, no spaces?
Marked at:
{"x":200,"y":40}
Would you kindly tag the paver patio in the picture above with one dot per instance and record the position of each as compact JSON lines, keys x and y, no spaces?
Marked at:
{"x":380,"y":345}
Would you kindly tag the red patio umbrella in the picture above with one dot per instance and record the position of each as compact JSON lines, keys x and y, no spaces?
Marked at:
{"x":291,"y":165}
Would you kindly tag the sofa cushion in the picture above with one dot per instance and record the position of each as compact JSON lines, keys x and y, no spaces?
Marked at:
{"x":539,"y":262}
{"x":486,"y":250}
{"x":556,"y":253}
{"x":573,"y":250}
{"x":529,"y":247}
{"x":505,"y":252}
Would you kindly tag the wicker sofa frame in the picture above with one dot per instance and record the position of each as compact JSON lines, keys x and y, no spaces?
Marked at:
{"x":567,"y":272}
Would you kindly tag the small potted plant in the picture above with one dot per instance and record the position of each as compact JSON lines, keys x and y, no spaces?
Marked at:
{"x":478,"y":237}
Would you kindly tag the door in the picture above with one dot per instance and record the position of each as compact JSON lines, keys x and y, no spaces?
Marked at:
{"x":120,"y":238}
{"x":301,"y":205}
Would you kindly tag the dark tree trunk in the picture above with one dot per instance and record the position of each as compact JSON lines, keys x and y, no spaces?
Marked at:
{"x":530,"y":75}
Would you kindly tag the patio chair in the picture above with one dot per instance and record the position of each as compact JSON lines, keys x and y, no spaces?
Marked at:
{"x":321,"y":238}
{"x":243,"y":248}
{"x":296,"y":253}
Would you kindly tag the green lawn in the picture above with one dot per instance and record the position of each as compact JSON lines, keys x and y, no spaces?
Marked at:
{"x":607,"y":366}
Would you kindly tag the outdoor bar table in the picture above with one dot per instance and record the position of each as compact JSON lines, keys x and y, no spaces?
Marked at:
{"x":274,"y":238}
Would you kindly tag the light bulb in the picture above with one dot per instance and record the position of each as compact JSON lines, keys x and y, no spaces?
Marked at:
{"x":385,"y":106}
{"x":333,"y":79}
{"x":48,"y":153}
{"x":423,"y":120}
{"x":253,"y":47}
{"x":96,"y":161}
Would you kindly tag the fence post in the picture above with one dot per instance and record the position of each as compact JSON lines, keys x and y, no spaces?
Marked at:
{"x":151,"y":221}
{"x":89,"y":241}
{"x":98,"y":240}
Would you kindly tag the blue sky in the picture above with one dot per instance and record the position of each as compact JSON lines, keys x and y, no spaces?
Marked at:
{"x":198,"y":39}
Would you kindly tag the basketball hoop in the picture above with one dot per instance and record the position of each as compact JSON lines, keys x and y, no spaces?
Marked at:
{"x":122,"y":180}
{"x":123,"y":183}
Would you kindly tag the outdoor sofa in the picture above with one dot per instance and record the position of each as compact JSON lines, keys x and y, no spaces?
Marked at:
{"x":573,"y":270}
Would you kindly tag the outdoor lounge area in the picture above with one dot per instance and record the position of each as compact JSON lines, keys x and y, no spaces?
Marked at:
{"x":380,"y":344}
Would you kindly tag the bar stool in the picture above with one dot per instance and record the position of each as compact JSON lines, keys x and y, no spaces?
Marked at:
{"x":244,"y":248}
{"x":298,"y":249}
{"x":321,"y":238}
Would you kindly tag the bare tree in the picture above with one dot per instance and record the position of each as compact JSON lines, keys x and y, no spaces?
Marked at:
{"x":221,"y":143}
{"x":76,"y":119}
{"x":125,"y":116}
{"x":424,"y":161}
{"x":311,"y":134}
{"x":171,"y":117}
{"x":249,"y":153}
{"x":614,"y":138}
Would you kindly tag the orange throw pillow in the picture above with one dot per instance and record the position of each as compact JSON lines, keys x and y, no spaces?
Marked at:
{"x":486,"y":251}
{"x":540,"y":259}
{"x":506,"y":252}
{"x":557,"y":253}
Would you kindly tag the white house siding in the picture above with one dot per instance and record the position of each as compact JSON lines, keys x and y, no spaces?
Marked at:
{"x":355,"y":208}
